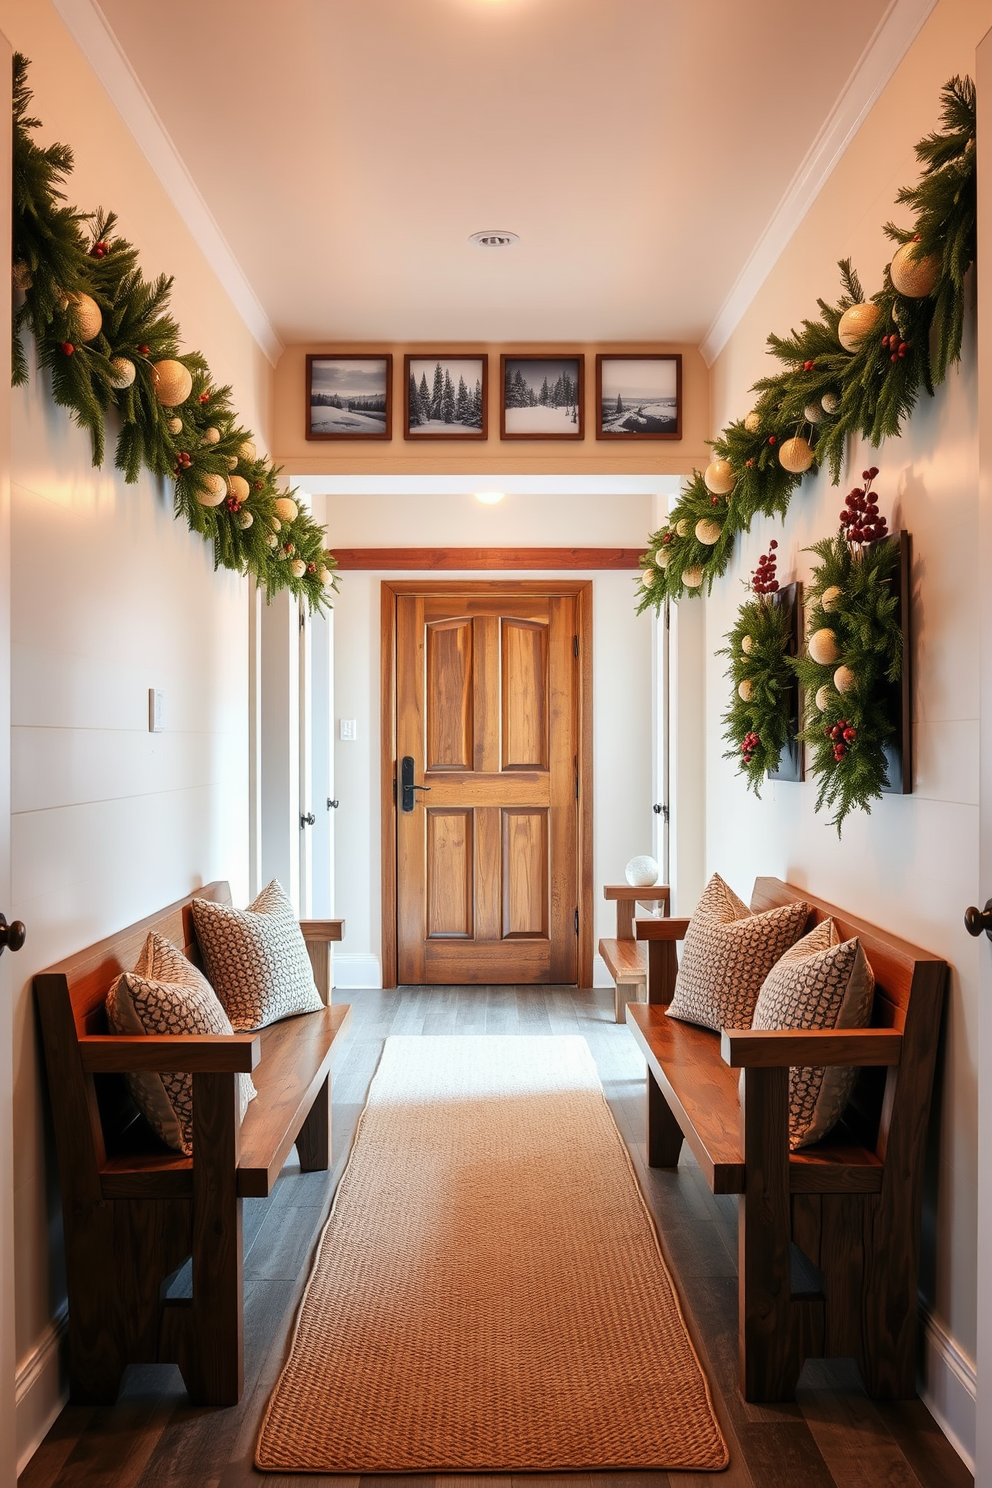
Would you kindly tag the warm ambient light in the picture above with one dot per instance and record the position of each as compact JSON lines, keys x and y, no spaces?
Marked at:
{"x":489,"y":498}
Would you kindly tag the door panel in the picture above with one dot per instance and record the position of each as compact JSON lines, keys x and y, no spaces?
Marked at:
{"x":486,"y":704}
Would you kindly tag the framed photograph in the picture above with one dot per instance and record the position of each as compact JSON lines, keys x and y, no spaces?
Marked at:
{"x":541,"y":397}
{"x":350,"y":397}
{"x":446,"y":396}
{"x":639,"y":397}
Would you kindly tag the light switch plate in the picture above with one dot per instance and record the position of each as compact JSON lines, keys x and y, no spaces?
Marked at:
{"x":349,"y":728}
{"x":156,"y":703}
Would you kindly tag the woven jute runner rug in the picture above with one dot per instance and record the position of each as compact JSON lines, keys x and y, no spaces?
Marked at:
{"x":489,"y":1294}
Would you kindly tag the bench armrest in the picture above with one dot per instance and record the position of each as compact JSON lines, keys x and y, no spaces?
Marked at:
{"x":660,"y":929}
{"x":164,"y":1054}
{"x":753,"y":1048}
{"x":657,"y":893}
{"x":322,"y":929}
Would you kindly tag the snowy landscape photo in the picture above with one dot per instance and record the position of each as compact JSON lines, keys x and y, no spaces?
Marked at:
{"x":445,"y":397}
{"x":638,"y":397}
{"x":541,"y":397}
{"x":349,"y":397}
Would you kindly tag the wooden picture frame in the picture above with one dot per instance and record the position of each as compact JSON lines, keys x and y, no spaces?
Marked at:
{"x":355,"y":394}
{"x":440,"y":376}
{"x":538,"y":374}
{"x":634,"y":395}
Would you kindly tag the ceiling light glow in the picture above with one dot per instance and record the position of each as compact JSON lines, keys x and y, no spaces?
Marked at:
{"x":489,"y":498}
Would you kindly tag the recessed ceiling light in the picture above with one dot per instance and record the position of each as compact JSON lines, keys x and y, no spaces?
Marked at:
{"x":489,"y":498}
{"x":494,"y":238}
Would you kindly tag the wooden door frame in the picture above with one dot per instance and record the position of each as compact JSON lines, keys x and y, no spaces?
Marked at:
{"x":391,"y":590}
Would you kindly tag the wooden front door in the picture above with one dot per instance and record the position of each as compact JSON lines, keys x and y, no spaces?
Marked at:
{"x":487,"y":710}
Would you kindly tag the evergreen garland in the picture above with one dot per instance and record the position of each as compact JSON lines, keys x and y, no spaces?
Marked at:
{"x":852,"y":608}
{"x":66,"y":265}
{"x":756,"y":725}
{"x":826,"y":392}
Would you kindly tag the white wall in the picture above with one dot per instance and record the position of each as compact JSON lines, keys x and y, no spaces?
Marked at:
{"x":111,"y":596}
{"x":912,"y":865}
{"x":622,"y":726}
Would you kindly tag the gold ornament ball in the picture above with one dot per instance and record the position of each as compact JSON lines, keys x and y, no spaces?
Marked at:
{"x":175,"y":426}
{"x":123,"y":374}
{"x":823,"y":697}
{"x":844,"y":679}
{"x":663,"y":557}
{"x":245,"y":520}
{"x":324,"y":575}
{"x":708,"y":531}
{"x":275,"y":524}
{"x":830,"y":402}
{"x":829,"y":597}
{"x":172,"y":382}
{"x":856,"y":324}
{"x":744,"y":691}
{"x":719,"y":477}
{"x":212,"y":490}
{"x":795,"y":455}
{"x":21,"y":276}
{"x":753,"y":421}
{"x":747,"y":644}
{"x":287,"y":509}
{"x":87,"y":315}
{"x":823,"y":647}
{"x":211,"y":436}
{"x":299,"y":568}
{"x":813,"y":413}
{"x":272,"y":540}
{"x":232,"y":462}
{"x":238,"y":487}
{"x":246,"y":451}
{"x":682,"y":528}
{"x":648,"y":576}
{"x":911,"y":276}
{"x":692,"y":577}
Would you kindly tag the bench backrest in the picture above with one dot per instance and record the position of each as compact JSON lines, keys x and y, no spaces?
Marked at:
{"x":93,"y":1112}
{"x":888,"y":1106}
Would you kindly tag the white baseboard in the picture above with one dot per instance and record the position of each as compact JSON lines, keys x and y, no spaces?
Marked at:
{"x":354,"y":971}
{"x":41,"y":1388}
{"x":600,"y":976}
{"x":948,"y":1386}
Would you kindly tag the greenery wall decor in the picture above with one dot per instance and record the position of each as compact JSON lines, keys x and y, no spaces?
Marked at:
{"x":856,"y":370}
{"x":114,"y":354}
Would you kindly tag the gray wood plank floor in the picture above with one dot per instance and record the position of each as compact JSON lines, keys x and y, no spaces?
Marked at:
{"x":831,"y":1435}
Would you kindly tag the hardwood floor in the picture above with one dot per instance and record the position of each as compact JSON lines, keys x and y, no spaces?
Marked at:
{"x":832,"y":1435}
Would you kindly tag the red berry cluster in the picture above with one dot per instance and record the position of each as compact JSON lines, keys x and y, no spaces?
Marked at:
{"x":311,"y":568}
{"x":204,"y":397}
{"x":667,"y":537}
{"x":750,"y":744}
{"x":233,"y":504}
{"x":842,"y":735}
{"x":99,"y":250}
{"x":860,"y":520}
{"x":68,"y":348}
{"x":183,"y":462}
{"x":142,"y":349}
{"x":259,"y":485}
{"x":895,"y":346}
{"x":808,"y":366}
{"x":763,"y":580}
{"x":288,"y":549}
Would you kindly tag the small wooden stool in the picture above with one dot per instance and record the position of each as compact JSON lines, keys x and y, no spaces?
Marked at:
{"x":626,"y":958}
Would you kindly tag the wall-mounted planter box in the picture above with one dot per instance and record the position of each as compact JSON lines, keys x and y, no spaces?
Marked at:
{"x":791,"y":764}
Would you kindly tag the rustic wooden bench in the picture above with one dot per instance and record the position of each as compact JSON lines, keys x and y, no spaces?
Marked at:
{"x":829,"y":1236}
{"x":133,"y":1211}
{"x":625,"y":958}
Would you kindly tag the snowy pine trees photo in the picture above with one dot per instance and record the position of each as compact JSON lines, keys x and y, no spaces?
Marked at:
{"x":542,"y":397}
{"x":446,"y":397}
{"x":349,"y":397}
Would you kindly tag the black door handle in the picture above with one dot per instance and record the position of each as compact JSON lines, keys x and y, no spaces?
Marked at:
{"x":12,"y":936}
{"x":409,"y":800}
{"x":977,"y":920}
{"x":332,"y":804}
{"x":308,"y":820}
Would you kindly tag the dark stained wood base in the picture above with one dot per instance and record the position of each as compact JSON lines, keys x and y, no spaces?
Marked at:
{"x":831,"y":1436}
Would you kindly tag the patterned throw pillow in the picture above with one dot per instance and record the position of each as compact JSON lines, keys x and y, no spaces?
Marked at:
{"x":822,"y":982}
{"x":256,"y":959}
{"x":166,"y":994}
{"x":727,"y":954}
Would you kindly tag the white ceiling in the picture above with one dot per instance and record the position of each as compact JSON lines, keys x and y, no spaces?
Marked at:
{"x":347,"y":149}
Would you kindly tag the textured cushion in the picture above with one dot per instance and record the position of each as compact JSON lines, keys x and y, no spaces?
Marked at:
{"x":166,"y":994}
{"x":256,"y":959}
{"x":727,"y":954}
{"x":821,"y":982}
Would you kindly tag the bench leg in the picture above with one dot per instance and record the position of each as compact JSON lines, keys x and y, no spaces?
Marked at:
{"x":769,"y":1361}
{"x":664,"y":1132}
{"x":214,"y":1371}
{"x":313,"y":1145}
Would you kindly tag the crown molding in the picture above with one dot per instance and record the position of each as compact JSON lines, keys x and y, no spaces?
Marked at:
{"x":89,"y":28}
{"x":893,"y":37}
